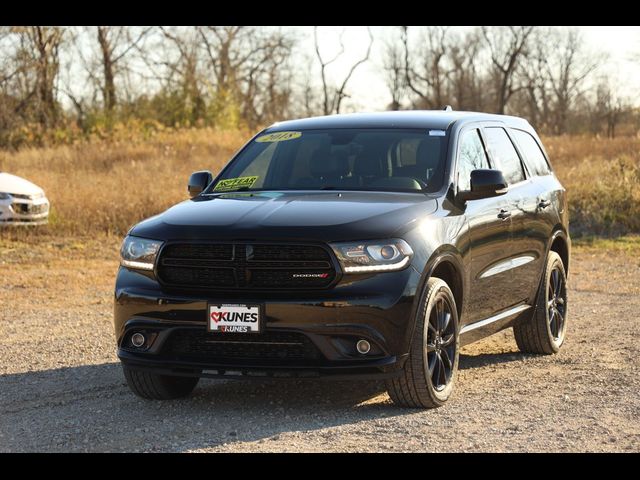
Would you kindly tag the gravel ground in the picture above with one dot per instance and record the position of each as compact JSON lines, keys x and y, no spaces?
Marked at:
{"x":61,"y":388}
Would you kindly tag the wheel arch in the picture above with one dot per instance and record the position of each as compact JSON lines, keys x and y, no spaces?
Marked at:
{"x":447,"y":270}
{"x":445,"y":263}
{"x":561,"y":244}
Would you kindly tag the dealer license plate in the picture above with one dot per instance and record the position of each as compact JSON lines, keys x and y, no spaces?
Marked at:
{"x":234,"y":318}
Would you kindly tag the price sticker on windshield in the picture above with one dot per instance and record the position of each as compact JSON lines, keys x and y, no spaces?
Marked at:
{"x":235,"y":183}
{"x":278,"y":137}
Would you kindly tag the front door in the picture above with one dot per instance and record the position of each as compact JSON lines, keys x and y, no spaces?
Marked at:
{"x":489,"y":223}
{"x":490,"y":276}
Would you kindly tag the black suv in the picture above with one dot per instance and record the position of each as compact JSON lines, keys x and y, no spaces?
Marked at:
{"x":362,"y":246}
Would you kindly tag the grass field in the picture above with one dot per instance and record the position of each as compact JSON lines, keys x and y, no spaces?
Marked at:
{"x":104,"y":187}
{"x":602,"y":178}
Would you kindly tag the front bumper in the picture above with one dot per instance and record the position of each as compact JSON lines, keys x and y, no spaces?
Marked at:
{"x":378,"y":308}
{"x":24,"y":211}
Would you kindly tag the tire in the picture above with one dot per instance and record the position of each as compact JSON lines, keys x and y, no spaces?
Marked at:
{"x":153,"y":386}
{"x":425,"y":381}
{"x":544,"y":332}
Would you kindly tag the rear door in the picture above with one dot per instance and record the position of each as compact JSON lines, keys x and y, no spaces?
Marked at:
{"x":523,"y":256}
{"x":489,"y":233}
{"x":541,"y":200}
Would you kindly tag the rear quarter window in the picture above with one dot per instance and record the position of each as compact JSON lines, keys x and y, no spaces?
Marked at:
{"x":531,"y":152}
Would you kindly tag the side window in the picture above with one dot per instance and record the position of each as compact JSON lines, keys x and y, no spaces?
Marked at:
{"x":470,"y":157}
{"x":505,"y":155}
{"x":533,"y":156}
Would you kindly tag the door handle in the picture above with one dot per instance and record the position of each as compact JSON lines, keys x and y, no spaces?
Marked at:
{"x":544,"y":203}
{"x":504,"y":214}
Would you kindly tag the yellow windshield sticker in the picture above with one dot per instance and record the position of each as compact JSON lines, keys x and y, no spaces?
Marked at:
{"x":278,"y":136}
{"x":235,"y":183}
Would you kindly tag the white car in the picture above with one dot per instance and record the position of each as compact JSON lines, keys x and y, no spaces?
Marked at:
{"x":21,"y":202}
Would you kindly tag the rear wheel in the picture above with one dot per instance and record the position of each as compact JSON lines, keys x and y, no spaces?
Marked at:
{"x":154,"y":386}
{"x":545,"y":331}
{"x":429,"y":373}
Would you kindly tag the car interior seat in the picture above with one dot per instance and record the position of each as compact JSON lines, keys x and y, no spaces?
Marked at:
{"x":327,"y":169}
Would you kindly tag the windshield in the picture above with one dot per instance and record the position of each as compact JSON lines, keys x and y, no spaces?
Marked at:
{"x":341,"y":159}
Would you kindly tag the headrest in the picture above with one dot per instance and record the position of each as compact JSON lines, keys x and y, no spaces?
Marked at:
{"x":372,"y":162}
{"x":327,"y":164}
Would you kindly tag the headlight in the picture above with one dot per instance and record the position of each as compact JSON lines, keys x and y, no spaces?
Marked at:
{"x":373,"y":256}
{"x":139,"y":253}
{"x":4,"y":195}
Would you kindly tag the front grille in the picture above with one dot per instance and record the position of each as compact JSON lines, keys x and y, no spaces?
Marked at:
{"x":245,"y":266}
{"x":199,"y":276}
{"x":220,"y":347}
{"x":196,"y":251}
{"x":28,"y":208}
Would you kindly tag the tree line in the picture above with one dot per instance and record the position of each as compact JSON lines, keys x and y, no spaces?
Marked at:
{"x":60,"y":83}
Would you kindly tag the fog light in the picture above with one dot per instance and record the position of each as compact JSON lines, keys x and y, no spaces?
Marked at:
{"x":137,"y":340}
{"x":363,"y":347}
{"x":388,"y":252}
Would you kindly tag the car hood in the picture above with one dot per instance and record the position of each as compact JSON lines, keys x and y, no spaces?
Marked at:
{"x":319,"y":216}
{"x":13,"y":184}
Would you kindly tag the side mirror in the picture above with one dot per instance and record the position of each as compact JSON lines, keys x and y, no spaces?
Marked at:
{"x":485,"y":184}
{"x":198,"y":181}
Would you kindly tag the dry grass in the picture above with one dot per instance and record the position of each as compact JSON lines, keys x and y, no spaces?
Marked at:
{"x":602,"y":178}
{"x":104,"y":187}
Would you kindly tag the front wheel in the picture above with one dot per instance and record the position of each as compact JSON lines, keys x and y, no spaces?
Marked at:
{"x":429,"y":373}
{"x":153,"y":386}
{"x":545,"y":331}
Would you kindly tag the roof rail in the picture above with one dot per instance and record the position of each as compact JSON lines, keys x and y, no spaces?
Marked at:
{"x":448,"y":108}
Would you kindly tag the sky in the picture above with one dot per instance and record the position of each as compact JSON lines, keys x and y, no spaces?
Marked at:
{"x":368,"y":89}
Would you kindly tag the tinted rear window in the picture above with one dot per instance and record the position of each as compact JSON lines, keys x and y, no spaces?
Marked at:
{"x":533,"y":156}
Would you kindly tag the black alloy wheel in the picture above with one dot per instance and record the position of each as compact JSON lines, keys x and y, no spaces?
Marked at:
{"x":441,"y":344}
{"x":556,"y":303}
{"x":429,"y":373}
{"x":545,"y":330}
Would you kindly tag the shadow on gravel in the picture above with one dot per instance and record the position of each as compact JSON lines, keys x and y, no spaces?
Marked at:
{"x":485,"y":359}
{"x":90,"y":408}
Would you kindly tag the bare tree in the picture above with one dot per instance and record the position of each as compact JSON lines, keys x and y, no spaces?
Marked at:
{"x":467,"y":85}
{"x":249,"y":66}
{"x":427,"y":76}
{"x":609,"y":107}
{"x":553,"y":77}
{"x":442,"y":68}
{"x":508,"y":47}
{"x":333,"y":95}
{"x":9,"y":71}
{"x":534,"y":99}
{"x":184,"y":71}
{"x":115,"y":44}
{"x":393,"y":65}
{"x":567,"y":67}
{"x":39,"y":55}
{"x":239,"y":75}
